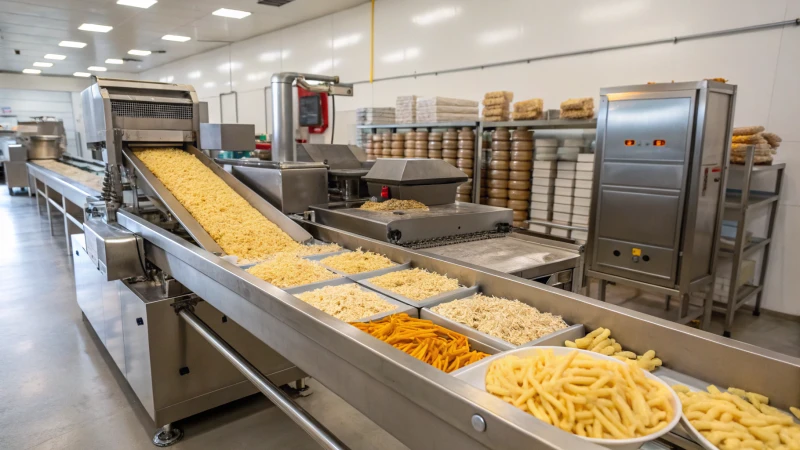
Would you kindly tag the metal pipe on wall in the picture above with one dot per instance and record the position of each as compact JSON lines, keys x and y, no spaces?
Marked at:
{"x":283,"y":148}
{"x":301,"y":417}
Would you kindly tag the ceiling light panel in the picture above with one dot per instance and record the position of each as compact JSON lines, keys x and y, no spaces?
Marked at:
{"x":96,"y":68}
{"x":139,"y":52}
{"x":42,"y":64}
{"x":32,"y":71}
{"x":72,"y":44}
{"x":114,"y":61}
{"x":137,"y":3}
{"x":54,"y":56}
{"x":95,"y":27}
{"x":81,"y":74}
{"x":175,"y":38}
{"x":231,"y":13}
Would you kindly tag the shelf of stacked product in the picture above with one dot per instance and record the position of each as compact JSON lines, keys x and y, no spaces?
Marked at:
{"x":741,"y":272}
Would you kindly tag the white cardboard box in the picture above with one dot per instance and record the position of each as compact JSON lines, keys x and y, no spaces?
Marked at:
{"x":544,"y":173}
{"x":542,"y":198}
{"x":548,"y":165}
{"x":581,"y":184}
{"x":582,"y":201}
{"x":540,"y":214}
{"x":586,"y":157}
{"x":543,"y":181}
{"x":541,"y":206}
{"x":584,"y":166}
{"x":559,"y":207}
{"x":542,"y":189}
{"x":562,"y":182}
{"x":584,"y":175}
{"x":580,"y":220}
{"x":559,"y":232}
{"x":580,"y":210}
{"x":566,"y":165}
{"x":537,"y":228}
{"x":566,"y":174}
{"x":563,"y":199}
{"x":583,"y":193}
{"x":563,"y":191}
{"x":562,"y":217}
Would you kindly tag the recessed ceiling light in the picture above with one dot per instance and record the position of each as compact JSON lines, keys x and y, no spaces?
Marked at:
{"x":114,"y":61}
{"x":54,"y":56}
{"x":96,"y":68}
{"x":232,"y":13}
{"x":137,"y":3}
{"x":72,"y":44}
{"x":94,"y":27}
{"x":42,"y":64}
{"x":81,"y":74}
{"x":32,"y":71}
{"x":139,"y":52}
{"x":172,"y":37}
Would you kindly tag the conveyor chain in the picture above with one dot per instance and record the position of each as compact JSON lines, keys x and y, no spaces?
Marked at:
{"x":457,"y":239}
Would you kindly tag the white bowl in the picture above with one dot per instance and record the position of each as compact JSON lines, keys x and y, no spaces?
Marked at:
{"x":475,"y":374}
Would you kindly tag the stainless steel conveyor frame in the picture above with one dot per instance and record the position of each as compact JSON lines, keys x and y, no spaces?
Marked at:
{"x":422,"y":406}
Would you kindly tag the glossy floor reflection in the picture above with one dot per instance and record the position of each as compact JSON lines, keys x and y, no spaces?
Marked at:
{"x":58,"y":391}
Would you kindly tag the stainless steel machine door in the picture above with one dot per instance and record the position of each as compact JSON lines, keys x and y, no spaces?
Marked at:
{"x":647,"y":146}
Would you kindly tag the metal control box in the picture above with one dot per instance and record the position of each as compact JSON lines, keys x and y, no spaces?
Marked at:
{"x":116,"y":252}
{"x":662,"y":153}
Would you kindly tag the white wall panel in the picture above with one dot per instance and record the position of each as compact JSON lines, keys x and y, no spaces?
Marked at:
{"x":213,"y":109}
{"x":418,"y":36}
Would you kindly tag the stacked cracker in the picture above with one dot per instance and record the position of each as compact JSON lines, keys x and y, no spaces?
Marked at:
{"x":406,"y":109}
{"x":766,"y":144}
{"x":397,"y":145}
{"x":498,"y":173}
{"x":465,"y":157}
{"x":521,"y":157}
{"x":410,"y":144}
{"x":577,"y":108}
{"x":495,"y":106}
{"x":528,"y":109}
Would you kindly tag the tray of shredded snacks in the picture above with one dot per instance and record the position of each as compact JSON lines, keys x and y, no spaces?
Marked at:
{"x":413,"y":286}
{"x":500,"y":322}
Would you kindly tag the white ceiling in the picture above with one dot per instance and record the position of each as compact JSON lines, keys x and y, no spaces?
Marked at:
{"x":35,"y":27}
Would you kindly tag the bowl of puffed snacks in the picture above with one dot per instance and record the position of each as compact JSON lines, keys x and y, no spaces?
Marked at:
{"x":605,"y":400}
{"x":736,"y":419}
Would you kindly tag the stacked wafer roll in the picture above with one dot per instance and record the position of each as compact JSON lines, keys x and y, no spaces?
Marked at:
{"x":410,"y":144}
{"x":435,"y":146}
{"x":528,"y":109}
{"x":577,"y":108}
{"x":397,"y":145}
{"x":377,"y":145}
{"x":421,"y":144}
{"x":450,"y":144}
{"x":520,"y":164}
{"x":765,"y":144}
{"x":486,"y":153}
{"x":497,"y":175}
{"x":386,"y":145}
{"x":465,"y":159}
{"x":369,"y":147}
{"x":496,"y":105}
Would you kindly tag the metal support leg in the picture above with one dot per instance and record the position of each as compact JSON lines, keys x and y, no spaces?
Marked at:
{"x":301,"y":388}
{"x":49,"y":214}
{"x":765,"y":256}
{"x":66,"y":225}
{"x":301,"y":417}
{"x":601,"y":294}
{"x":167,"y":435}
{"x":666,"y":305}
{"x":708,"y":308}
{"x":683,"y":310}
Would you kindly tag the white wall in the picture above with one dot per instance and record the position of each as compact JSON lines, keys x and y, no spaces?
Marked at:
{"x":420,"y":36}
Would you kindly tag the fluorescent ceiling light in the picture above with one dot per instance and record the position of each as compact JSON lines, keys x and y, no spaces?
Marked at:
{"x":32,"y":71}
{"x":81,"y":74}
{"x":54,"y":56}
{"x":176,"y":38}
{"x":209,"y":84}
{"x":232,"y":13}
{"x":114,"y":61}
{"x":42,"y":64}
{"x":436,"y":15}
{"x":96,"y":68}
{"x":194,"y":74}
{"x":72,"y":44}
{"x":139,"y":52}
{"x":137,"y":3}
{"x":94,"y":27}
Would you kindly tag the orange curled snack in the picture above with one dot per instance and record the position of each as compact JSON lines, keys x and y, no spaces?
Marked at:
{"x":430,"y":343}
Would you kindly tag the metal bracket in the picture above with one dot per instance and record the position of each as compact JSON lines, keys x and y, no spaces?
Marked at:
{"x":185,"y":303}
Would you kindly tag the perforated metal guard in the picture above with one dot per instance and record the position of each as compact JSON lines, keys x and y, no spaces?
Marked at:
{"x":151,"y":110}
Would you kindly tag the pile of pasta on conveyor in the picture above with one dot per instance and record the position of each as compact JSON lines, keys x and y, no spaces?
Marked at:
{"x":765,"y":143}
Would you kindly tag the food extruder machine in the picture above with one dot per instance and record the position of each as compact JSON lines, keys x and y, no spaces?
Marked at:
{"x":145,"y":252}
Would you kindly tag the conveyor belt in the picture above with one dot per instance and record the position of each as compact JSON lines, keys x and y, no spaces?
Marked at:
{"x":154,"y":188}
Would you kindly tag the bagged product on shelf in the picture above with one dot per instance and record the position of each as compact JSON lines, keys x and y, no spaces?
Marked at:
{"x":773,"y":139}
{"x":745,"y":131}
{"x":406,"y":109}
{"x":577,"y":104}
{"x":499,"y":101}
{"x":506,"y":95}
{"x":577,"y":114}
{"x":427,"y":102}
{"x":375,"y":116}
{"x":534,"y":104}
{"x":749,"y":139}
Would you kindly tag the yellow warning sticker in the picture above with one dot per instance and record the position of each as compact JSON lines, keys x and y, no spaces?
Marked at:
{"x":636,"y":251}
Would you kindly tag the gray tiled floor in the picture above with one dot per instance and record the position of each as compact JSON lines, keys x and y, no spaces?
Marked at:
{"x":57,"y":391}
